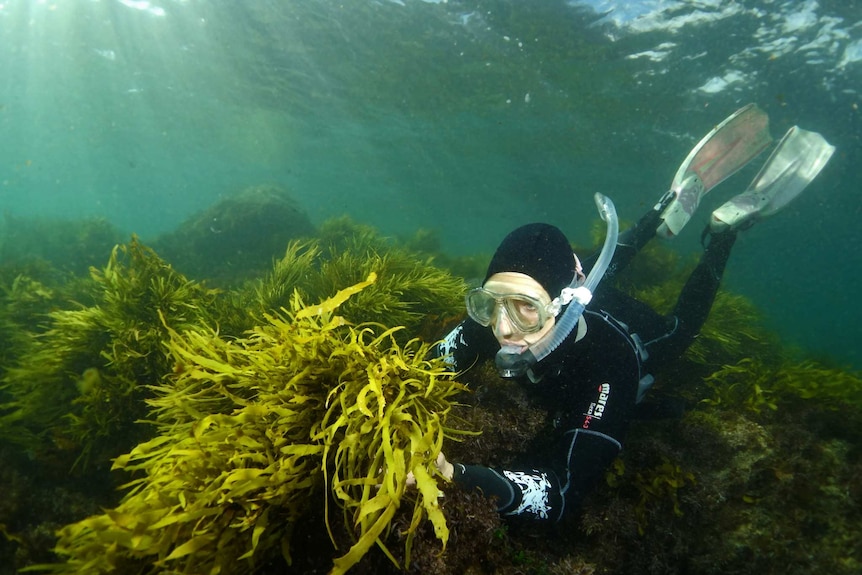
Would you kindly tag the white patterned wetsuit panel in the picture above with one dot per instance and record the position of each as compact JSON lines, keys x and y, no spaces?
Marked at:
{"x":534,"y":493}
{"x":450,"y":343}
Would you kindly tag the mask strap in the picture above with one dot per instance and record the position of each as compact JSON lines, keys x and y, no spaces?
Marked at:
{"x":569,"y":293}
{"x":579,"y":271}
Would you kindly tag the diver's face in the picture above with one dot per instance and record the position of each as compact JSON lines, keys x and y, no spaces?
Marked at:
{"x":514,"y":283}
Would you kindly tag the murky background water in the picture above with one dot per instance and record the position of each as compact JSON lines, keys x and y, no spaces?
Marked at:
{"x":468,"y":118}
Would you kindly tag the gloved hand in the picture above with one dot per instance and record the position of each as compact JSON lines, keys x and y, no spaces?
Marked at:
{"x":445,"y":468}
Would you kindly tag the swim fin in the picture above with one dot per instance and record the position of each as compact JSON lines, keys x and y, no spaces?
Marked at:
{"x":720,"y":154}
{"x":795,"y":162}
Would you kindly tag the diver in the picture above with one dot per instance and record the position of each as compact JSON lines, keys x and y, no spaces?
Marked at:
{"x":586,"y":355}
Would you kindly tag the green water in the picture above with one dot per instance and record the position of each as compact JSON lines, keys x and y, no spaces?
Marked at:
{"x":468,"y":118}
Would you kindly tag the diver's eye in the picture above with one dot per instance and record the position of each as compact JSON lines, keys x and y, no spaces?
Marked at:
{"x":526,"y":308}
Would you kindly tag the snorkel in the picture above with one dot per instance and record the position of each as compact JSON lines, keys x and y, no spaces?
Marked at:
{"x":515,"y":361}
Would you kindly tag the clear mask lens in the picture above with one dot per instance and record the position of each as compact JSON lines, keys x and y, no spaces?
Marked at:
{"x":526,"y":313}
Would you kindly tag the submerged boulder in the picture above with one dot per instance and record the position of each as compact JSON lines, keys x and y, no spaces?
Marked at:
{"x":238,"y":236}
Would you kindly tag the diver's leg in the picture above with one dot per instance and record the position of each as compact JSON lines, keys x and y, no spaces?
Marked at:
{"x":694,"y":302}
{"x":629,"y":243}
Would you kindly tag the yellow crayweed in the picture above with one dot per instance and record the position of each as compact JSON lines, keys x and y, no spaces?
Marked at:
{"x":250,"y":429}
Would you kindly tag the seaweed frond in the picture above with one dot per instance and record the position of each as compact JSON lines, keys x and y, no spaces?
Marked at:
{"x":410,"y":291}
{"x":251,"y":429}
{"x":79,"y":387}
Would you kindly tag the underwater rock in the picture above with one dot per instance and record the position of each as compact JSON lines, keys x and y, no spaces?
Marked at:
{"x":236,"y":237}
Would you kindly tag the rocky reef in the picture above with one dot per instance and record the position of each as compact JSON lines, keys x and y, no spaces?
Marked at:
{"x":150,"y":423}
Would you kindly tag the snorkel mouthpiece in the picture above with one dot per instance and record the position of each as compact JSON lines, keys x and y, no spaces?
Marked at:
{"x":514,"y":361}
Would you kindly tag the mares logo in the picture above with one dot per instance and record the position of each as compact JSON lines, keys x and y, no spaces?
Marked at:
{"x":597,"y":408}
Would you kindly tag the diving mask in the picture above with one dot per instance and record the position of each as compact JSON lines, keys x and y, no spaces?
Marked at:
{"x":526,"y":313}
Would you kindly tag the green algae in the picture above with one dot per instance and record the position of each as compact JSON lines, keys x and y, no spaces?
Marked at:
{"x":410,"y":291}
{"x":761,"y":475}
{"x":79,"y":386}
{"x":250,"y":428}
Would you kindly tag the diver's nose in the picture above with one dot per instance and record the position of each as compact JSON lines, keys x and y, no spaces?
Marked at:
{"x":503,"y":328}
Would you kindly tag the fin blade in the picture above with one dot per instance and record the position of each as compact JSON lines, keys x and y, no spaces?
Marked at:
{"x":727,"y":148}
{"x":718,"y":155}
{"x":795,"y":162}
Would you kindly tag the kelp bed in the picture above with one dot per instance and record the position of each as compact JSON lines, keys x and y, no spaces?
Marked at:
{"x":152,"y":424}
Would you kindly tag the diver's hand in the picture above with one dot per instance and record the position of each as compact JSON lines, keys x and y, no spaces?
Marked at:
{"x":445,"y":468}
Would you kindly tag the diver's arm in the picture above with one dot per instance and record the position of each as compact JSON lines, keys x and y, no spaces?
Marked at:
{"x":465,"y":345}
{"x":528,"y":493}
{"x":538,"y":493}
{"x":596,"y":425}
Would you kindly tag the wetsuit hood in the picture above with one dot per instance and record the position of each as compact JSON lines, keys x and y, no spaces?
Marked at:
{"x":540,"y":251}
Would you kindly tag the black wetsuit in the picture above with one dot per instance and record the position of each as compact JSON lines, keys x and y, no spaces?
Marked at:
{"x":590,"y":386}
